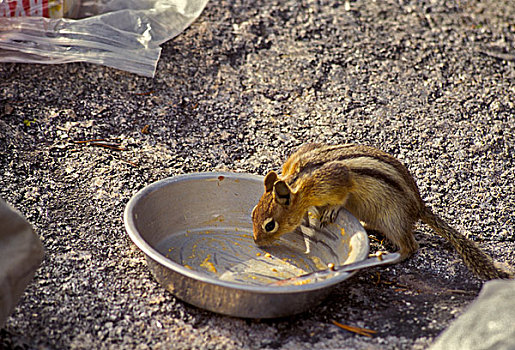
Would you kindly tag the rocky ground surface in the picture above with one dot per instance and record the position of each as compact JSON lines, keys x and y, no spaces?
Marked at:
{"x":432,"y":82}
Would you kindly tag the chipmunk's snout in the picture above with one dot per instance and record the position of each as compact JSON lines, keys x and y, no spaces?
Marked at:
{"x":263,"y":242}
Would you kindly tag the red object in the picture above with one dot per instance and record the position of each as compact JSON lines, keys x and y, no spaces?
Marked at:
{"x":24,"y":8}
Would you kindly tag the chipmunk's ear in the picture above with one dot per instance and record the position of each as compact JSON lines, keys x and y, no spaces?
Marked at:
{"x":282,"y":193}
{"x":270,"y":179}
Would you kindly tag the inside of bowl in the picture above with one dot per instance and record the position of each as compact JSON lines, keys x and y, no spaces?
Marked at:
{"x":203,"y":223}
{"x":230,"y":254}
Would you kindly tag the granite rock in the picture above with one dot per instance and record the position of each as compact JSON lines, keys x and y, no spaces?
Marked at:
{"x":21,"y":253}
{"x":487,"y":324}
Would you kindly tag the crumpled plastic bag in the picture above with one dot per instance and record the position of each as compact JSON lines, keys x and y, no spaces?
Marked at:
{"x":123,"y":34}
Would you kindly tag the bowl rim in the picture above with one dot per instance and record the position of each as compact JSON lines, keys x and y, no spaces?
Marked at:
{"x":152,"y":253}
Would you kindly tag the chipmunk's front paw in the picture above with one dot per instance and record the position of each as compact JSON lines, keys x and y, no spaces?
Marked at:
{"x":328,"y":215}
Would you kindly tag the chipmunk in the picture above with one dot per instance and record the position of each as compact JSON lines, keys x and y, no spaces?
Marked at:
{"x":371,"y":184}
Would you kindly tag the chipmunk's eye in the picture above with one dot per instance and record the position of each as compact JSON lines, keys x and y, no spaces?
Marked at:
{"x":270,"y":225}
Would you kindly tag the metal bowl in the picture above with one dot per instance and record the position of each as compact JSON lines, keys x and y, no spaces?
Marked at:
{"x":196,"y":233}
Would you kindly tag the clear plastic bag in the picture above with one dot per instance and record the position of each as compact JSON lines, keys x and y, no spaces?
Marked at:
{"x":124,"y":34}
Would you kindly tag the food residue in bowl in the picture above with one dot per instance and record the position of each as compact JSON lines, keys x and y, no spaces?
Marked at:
{"x":318,"y":263}
{"x":232,"y":255}
{"x":207,"y":264}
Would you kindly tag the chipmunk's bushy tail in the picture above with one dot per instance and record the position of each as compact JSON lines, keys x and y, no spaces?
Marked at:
{"x":476,"y":260}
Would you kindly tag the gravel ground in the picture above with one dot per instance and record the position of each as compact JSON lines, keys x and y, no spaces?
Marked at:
{"x":432,"y":82}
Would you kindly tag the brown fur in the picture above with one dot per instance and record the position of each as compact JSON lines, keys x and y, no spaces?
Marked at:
{"x":374,"y":186}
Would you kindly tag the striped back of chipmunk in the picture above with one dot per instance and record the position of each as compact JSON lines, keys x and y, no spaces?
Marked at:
{"x":365,"y":163}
